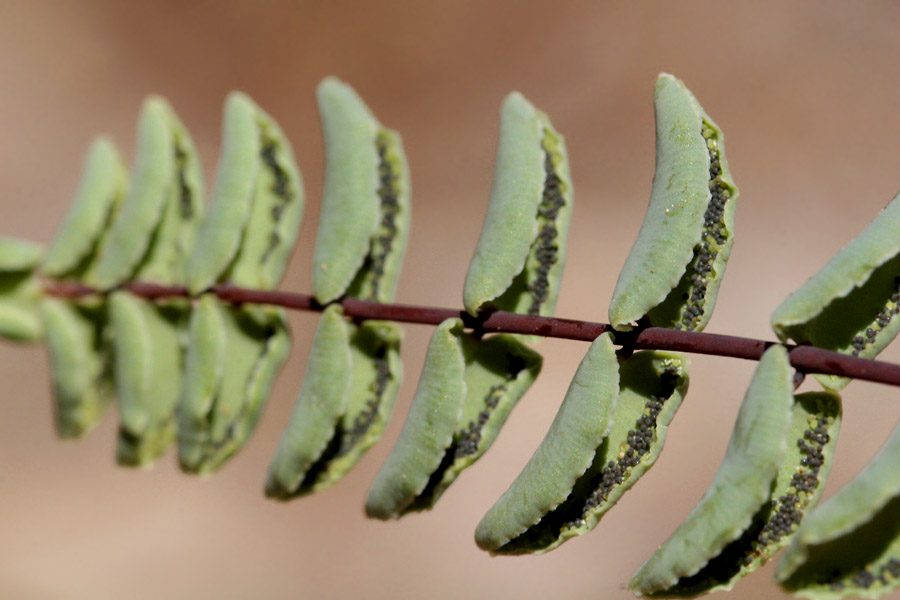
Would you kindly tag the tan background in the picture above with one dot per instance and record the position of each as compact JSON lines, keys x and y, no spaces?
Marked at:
{"x":807,"y":93}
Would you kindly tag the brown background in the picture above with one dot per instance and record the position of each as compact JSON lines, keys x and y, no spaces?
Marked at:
{"x":807,"y":93}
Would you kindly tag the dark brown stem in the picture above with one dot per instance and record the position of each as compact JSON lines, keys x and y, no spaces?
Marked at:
{"x":806,"y":359}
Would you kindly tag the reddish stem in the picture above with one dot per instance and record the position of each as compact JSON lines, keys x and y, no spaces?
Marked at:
{"x":805,"y":359}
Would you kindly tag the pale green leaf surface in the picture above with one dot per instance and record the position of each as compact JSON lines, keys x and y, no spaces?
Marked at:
{"x":279,"y":200}
{"x":350,"y":210}
{"x":20,"y":290}
{"x":221,"y":232}
{"x":349,"y":390}
{"x":429,"y":427}
{"x":496,"y":372}
{"x":651,"y":386}
{"x":581,"y":424}
{"x":675,"y":242}
{"x":148,"y":364}
{"x":153,"y":231}
{"x":850,"y":545}
{"x":520,"y":256}
{"x":216,"y":424}
{"x":374,"y":382}
{"x":740,"y":486}
{"x":79,"y":364}
{"x":131,"y":232}
{"x":20,"y":294}
{"x":19,"y":255}
{"x":205,"y":358}
{"x":321,"y":402}
{"x":80,"y":354}
{"x":166,"y":258}
{"x":851,"y":304}
{"x":377,"y":279}
{"x":800,"y":481}
{"x":499,"y":370}
{"x":246,"y":240}
{"x":101,"y":191}
{"x":249,"y":232}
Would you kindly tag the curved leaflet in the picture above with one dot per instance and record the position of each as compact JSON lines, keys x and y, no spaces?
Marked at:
{"x":350,"y":418}
{"x":231,"y":363}
{"x":849,"y":547}
{"x":517,"y":266}
{"x":80,"y":363}
{"x":496,"y":372}
{"x":635,"y":414}
{"x":374,"y":381}
{"x":364,"y":223}
{"x":363,"y":229}
{"x":519,"y":260}
{"x":20,"y":291}
{"x":149,"y":240}
{"x":80,"y":355}
{"x":148,"y":365}
{"x":19,"y":255}
{"x":250,"y":229}
{"x":673,"y":272}
{"x":153,"y":232}
{"x":428,"y":430}
{"x":582,"y":422}
{"x":851,"y":304}
{"x":739,"y":488}
{"x":814,"y":427}
{"x":322,"y":401}
{"x":347,"y":397}
{"x":101,"y":191}
{"x":246,"y":239}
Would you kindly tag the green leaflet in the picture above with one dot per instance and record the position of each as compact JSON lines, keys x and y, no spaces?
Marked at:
{"x":814,"y":427}
{"x":519,"y":260}
{"x":582,"y":422}
{"x":530,"y":209}
{"x":245,"y":239}
{"x":850,"y":545}
{"x":322,"y":401}
{"x":347,"y":397}
{"x":19,"y":255}
{"x":741,"y":485}
{"x":850,"y":305}
{"x":467,"y":390}
{"x":148,"y":240}
{"x":102,"y":189}
{"x":233,"y":356}
{"x":673,"y":272}
{"x":148,"y":366}
{"x":20,"y":291}
{"x":80,"y":363}
{"x":249,"y":231}
{"x":154,"y":230}
{"x":630,"y":422}
{"x":364,"y":223}
{"x":363,"y":230}
{"x":428,"y":430}
{"x":204,"y":363}
{"x":80,"y":355}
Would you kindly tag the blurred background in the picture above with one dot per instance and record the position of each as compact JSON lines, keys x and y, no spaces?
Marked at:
{"x":806,"y":92}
